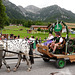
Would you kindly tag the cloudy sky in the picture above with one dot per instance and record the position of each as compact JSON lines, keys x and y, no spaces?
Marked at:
{"x":67,"y":4}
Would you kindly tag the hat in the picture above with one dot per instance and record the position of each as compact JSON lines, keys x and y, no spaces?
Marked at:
{"x":50,"y":32}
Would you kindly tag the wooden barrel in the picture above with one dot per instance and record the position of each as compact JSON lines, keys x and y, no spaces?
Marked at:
{"x":74,"y":47}
{"x":73,"y":41}
{"x":70,"y":42}
{"x":70,"y":49}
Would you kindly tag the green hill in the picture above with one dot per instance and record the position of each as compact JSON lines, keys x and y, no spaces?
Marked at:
{"x":23,"y":33}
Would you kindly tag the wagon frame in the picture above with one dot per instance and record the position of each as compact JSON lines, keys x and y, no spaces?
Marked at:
{"x":60,"y":58}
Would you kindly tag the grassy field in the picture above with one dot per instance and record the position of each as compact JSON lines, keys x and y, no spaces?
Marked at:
{"x":23,"y":33}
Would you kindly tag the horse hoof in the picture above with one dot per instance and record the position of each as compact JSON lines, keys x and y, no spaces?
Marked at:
{"x":28,"y":69}
{"x":14,"y":70}
{"x":0,"y":66}
{"x":8,"y":70}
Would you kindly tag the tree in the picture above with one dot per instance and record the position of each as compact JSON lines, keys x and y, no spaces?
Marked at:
{"x":3,"y":16}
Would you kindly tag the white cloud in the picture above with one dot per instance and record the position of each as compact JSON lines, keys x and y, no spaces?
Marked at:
{"x":67,"y":4}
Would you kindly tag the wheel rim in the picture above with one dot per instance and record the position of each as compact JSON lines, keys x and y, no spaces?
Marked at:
{"x":61,"y":63}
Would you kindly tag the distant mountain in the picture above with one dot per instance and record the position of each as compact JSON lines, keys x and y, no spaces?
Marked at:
{"x":53,"y":12}
{"x":32,"y":9}
{"x":48,"y":14}
{"x":12,"y":10}
{"x":23,"y":10}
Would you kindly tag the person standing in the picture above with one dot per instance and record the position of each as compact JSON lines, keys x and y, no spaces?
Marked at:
{"x":18,"y":36}
{"x":56,"y":43}
{"x":36,"y":40}
{"x":40,"y":41}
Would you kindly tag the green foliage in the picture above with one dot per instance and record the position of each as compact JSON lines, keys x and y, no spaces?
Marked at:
{"x":3,"y":16}
{"x":44,"y":30}
{"x":25,"y":23}
{"x":39,"y":29}
{"x":23,"y":33}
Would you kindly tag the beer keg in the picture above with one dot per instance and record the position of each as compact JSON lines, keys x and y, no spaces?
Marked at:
{"x":70,"y":42}
{"x":73,"y":41}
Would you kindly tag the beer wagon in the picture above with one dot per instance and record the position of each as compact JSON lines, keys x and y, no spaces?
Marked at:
{"x":62,"y":54}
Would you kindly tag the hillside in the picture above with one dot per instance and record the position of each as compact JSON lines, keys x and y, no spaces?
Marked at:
{"x":54,"y":12}
{"x":48,"y":14}
{"x":12,"y":10}
{"x":23,"y":33}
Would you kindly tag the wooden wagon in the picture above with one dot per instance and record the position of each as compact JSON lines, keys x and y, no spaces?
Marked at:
{"x":61,"y":58}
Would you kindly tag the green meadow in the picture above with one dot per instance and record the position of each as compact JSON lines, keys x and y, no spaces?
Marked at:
{"x":22,"y":31}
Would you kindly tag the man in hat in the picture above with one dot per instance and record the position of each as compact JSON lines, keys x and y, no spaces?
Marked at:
{"x":57,"y":41}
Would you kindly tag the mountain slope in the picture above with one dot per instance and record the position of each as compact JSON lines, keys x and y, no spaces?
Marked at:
{"x":12,"y":10}
{"x":48,"y":14}
{"x":32,"y":9}
{"x":54,"y":12}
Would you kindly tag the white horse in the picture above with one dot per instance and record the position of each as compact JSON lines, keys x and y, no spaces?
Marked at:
{"x":20,"y":46}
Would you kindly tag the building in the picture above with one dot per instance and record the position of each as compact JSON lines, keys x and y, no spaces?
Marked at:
{"x":35,"y":27}
{"x":12,"y":24}
{"x":4,"y":36}
{"x":29,"y":31}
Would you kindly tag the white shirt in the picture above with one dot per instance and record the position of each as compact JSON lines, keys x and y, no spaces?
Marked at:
{"x":51,"y":37}
{"x":32,"y":39}
{"x":61,"y":39}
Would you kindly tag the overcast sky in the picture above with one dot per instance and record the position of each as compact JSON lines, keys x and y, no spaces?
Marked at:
{"x":67,"y":4}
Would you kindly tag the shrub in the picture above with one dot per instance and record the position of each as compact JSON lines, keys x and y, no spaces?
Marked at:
{"x":39,"y":29}
{"x":21,"y":29}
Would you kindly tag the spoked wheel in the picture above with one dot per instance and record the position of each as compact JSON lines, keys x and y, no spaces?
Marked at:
{"x":60,"y":63}
{"x":46,"y":60}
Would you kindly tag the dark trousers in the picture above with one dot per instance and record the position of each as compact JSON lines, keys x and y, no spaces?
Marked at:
{"x":1,"y":52}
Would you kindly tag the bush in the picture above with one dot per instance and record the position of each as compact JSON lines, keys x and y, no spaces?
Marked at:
{"x":39,"y":29}
{"x":21,"y":29}
{"x":46,"y":30}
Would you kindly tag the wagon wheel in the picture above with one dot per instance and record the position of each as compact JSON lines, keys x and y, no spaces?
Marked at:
{"x":46,"y":58}
{"x":60,"y":63}
{"x":0,"y":66}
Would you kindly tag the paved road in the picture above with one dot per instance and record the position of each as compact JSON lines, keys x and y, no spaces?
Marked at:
{"x":39,"y":68}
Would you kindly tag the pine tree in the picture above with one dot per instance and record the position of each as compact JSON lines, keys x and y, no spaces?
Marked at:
{"x":3,"y":16}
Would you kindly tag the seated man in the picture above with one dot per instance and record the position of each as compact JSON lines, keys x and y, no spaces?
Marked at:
{"x":56,"y":43}
{"x":49,"y":39}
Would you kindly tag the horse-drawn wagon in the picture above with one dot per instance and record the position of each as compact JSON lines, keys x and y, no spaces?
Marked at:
{"x":62,"y":54}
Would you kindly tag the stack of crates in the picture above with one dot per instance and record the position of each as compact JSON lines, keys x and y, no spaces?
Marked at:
{"x":71,"y":46}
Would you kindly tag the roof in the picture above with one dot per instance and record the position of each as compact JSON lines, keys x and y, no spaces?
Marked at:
{"x":38,"y":26}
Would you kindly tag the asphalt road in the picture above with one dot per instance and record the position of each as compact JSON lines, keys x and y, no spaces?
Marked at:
{"x":38,"y":68}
